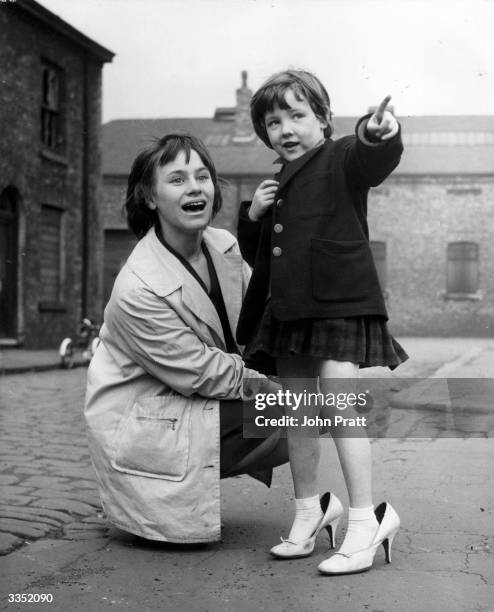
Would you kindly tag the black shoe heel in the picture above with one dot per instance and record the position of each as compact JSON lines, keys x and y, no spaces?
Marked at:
{"x":329,"y":529}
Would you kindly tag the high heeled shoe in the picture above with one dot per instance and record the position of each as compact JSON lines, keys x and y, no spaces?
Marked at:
{"x":362,"y":560}
{"x":332,"y":510}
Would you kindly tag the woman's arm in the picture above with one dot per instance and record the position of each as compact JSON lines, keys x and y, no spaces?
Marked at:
{"x":151,"y":333}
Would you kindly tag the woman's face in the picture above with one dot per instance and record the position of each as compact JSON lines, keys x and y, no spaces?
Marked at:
{"x":183,"y":195}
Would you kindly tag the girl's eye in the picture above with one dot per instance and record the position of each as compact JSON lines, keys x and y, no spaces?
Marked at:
{"x":272,"y":123}
{"x":204,"y":177}
{"x":177,"y":180}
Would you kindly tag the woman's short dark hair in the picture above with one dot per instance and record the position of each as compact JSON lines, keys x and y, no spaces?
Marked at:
{"x":140,"y":185}
{"x":303,"y":84}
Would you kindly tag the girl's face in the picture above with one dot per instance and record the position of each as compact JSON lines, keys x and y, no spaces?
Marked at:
{"x":183,"y":195}
{"x":295,"y":130}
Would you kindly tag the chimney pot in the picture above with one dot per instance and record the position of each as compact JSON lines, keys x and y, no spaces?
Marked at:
{"x":243,"y":131}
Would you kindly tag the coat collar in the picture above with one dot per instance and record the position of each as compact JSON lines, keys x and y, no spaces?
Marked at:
{"x":290,"y":169}
{"x":160,"y":270}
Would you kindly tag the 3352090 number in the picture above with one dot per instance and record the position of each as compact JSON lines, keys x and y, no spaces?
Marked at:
{"x":30,"y":597}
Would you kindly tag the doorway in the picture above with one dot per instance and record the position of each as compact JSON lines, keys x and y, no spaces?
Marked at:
{"x":9,"y":232}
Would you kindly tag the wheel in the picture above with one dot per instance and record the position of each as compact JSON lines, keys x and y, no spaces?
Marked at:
{"x":66,"y":352}
{"x":87,"y":353}
{"x":94,"y":345}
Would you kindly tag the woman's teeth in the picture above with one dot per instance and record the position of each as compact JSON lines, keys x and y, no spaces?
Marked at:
{"x":194,"y":206}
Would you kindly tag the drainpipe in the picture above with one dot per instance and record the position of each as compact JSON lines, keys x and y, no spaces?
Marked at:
{"x":86,"y":141}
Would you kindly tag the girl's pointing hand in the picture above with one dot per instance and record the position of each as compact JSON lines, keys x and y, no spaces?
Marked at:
{"x":382,"y":125}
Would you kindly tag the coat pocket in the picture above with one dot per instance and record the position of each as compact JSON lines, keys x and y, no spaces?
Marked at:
{"x":153,"y":439}
{"x":342,"y":271}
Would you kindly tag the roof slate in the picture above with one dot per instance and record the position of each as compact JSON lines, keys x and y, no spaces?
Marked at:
{"x":53,"y":21}
{"x":124,"y":138}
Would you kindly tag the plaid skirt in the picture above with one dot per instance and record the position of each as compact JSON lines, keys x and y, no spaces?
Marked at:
{"x":363,"y":340}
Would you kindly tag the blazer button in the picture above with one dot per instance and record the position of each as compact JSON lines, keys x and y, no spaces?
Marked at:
{"x":277,"y":251}
{"x":279,"y":203}
{"x":278,"y":228}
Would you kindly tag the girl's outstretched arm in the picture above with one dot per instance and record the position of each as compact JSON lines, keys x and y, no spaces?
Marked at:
{"x":382,"y":125}
{"x":375,"y":150}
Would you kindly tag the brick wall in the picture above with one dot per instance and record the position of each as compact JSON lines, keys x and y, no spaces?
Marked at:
{"x":416,"y":217}
{"x":61,"y":180}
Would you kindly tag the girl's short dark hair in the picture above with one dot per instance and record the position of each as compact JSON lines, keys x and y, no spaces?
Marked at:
{"x":303,"y":84}
{"x":140,"y":184}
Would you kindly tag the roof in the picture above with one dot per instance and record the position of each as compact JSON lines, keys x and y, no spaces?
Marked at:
{"x":433,"y":144}
{"x":43,"y":15}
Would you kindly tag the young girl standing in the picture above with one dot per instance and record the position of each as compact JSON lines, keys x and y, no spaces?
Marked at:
{"x":314,"y":303}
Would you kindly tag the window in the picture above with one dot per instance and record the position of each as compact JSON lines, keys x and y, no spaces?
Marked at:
{"x":379,"y":253}
{"x":51,"y":256}
{"x":463,"y":268}
{"x":51,"y":108}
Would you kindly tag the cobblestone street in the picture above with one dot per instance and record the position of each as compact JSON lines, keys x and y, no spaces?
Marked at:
{"x":60,"y":545}
{"x":46,"y":481}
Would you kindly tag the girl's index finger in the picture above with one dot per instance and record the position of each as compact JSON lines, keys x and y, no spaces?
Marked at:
{"x":381,"y":108}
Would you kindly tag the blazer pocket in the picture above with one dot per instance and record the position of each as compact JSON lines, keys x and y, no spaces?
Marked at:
{"x":153,"y":439}
{"x":342,"y":271}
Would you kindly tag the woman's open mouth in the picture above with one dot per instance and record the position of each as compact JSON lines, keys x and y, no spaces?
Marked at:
{"x":194,"y":207}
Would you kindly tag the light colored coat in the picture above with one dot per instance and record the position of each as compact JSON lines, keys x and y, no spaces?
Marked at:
{"x":154,"y":384}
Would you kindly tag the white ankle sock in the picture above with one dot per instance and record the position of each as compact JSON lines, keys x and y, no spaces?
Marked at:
{"x":308,"y":514}
{"x":362,"y":526}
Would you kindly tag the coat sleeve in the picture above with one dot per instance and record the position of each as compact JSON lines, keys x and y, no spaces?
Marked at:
{"x":367,"y":162}
{"x":151,"y":333}
{"x":248,"y":234}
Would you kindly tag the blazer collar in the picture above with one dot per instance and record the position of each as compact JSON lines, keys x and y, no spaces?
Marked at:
{"x":160,"y":270}
{"x":291,"y":169}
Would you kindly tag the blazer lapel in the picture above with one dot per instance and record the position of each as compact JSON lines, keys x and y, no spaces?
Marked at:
{"x":291,"y":169}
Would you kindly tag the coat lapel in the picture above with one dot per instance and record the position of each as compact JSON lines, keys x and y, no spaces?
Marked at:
{"x":291,"y":169}
{"x":164,"y":274}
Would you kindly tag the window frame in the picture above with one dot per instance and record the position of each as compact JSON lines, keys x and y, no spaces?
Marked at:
{"x":52,"y":108}
{"x":462,"y":270}
{"x":45,"y":303}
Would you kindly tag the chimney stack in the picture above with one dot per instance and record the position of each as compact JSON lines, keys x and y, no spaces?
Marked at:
{"x":243,"y":130}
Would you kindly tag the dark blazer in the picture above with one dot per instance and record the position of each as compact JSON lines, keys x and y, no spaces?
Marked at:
{"x":311,"y":252}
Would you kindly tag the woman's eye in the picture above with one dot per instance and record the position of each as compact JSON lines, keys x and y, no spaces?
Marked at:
{"x":178,"y":180}
{"x":204,"y":177}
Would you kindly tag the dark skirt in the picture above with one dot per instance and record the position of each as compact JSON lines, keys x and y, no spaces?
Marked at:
{"x":253,"y":456}
{"x":363,"y":340}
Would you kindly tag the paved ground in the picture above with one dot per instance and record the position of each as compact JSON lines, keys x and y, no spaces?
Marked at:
{"x":13,"y":360}
{"x":60,"y":544}
{"x":46,"y":479}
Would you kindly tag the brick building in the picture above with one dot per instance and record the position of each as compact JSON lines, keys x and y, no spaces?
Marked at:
{"x":431,"y":223}
{"x":50,"y":167}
